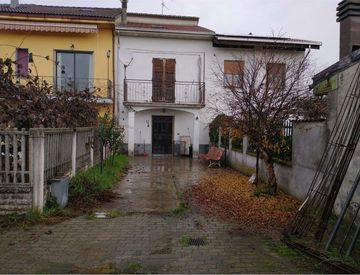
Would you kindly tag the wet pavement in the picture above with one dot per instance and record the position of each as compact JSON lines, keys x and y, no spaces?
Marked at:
{"x":145,"y":237}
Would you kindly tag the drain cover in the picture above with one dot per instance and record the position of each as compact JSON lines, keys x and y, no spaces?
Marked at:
{"x":197,"y":242}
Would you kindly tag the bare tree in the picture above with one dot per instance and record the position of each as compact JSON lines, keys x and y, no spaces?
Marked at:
{"x":261,"y":91}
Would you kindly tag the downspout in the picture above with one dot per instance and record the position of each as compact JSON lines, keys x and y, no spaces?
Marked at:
{"x":114,"y":77}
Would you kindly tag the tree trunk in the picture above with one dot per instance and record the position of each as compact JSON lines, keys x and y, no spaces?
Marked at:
{"x":269,"y":163}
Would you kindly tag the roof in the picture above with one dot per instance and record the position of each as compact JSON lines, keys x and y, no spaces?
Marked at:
{"x":222,"y":40}
{"x":164,"y":28}
{"x":341,"y":65}
{"x":60,"y":11}
{"x":179,"y":17}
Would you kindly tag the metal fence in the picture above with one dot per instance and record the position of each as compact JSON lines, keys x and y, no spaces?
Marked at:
{"x":179,"y":92}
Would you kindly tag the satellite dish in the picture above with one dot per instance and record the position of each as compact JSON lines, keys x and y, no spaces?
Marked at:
{"x":126,"y":56}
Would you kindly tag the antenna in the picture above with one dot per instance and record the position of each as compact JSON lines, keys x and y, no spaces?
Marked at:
{"x":163,"y":6}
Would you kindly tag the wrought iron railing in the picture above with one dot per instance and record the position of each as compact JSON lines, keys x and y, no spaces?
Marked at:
{"x":101,"y":87}
{"x":149,"y":91}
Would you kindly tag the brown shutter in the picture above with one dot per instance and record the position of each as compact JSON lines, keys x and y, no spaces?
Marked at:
{"x":157,"y":83}
{"x":276,"y":75}
{"x":233,"y":67}
{"x":170,"y":67}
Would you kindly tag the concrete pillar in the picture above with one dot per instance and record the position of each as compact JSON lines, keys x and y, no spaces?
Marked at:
{"x":37,"y":153}
{"x":73,"y":154}
{"x":92,"y":149}
{"x":230,"y":144}
{"x":196,"y":138}
{"x":131,"y":134}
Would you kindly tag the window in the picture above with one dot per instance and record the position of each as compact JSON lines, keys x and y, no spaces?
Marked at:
{"x":276,"y":75}
{"x":74,"y":70}
{"x":233,"y":73}
{"x":22,"y":62}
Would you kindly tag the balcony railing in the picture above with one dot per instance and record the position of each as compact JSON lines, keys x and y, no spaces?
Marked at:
{"x":148,"y":91}
{"x":100,"y":87}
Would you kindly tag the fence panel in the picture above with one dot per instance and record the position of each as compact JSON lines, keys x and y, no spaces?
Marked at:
{"x":15,"y":186}
{"x":84,"y":139}
{"x":58,"y":151}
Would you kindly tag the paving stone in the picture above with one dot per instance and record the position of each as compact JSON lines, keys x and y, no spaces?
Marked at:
{"x":148,"y":237}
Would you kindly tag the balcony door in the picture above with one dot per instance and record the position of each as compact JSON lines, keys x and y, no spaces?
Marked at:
{"x":74,"y":70}
{"x":163,"y":80}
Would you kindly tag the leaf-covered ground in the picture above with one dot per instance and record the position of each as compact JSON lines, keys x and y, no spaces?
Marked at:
{"x":228,"y":195}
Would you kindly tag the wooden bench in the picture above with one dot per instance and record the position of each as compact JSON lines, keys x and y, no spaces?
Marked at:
{"x":213,"y":156}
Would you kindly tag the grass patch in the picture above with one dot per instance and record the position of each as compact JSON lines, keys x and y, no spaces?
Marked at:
{"x":245,"y":170}
{"x":181,"y":210}
{"x":90,"y":187}
{"x":185,"y":240}
{"x":285,"y":251}
{"x":132,"y":268}
{"x":33,"y":216}
{"x":264,"y":191}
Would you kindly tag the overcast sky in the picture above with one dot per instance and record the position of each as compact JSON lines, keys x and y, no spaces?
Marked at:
{"x":305,"y":19}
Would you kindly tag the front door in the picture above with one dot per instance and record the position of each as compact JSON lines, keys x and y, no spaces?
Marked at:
{"x":162,"y":135}
{"x":163,"y":80}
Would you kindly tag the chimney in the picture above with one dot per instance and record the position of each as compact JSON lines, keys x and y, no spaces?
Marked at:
{"x":124,"y":12}
{"x":14,"y":4}
{"x":348,"y":14}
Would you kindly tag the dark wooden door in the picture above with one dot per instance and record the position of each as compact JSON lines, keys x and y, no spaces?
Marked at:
{"x":162,"y":135}
{"x":164,"y":80}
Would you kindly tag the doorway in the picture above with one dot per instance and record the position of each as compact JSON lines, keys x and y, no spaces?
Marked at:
{"x":162,"y":135}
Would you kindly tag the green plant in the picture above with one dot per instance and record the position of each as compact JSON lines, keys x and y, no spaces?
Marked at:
{"x":265,"y":190}
{"x":185,"y":240}
{"x":109,"y":135}
{"x":51,"y":203}
{"x":90,"y":186}
{"x":181,"y":210}
{"x":285,"y":251}
{"x":132,"y":268}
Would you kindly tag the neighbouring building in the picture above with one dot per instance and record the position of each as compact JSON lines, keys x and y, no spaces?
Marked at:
{"x":337,"y":81}
{"x":66,"y":46}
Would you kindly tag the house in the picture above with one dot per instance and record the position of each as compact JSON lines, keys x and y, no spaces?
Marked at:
{"x":66,"y":46}
{"x":165,"y":71}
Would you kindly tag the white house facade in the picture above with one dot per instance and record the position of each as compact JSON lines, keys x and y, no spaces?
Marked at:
{"x":165,"y":75}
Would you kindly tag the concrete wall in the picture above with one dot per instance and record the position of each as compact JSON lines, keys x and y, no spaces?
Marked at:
{"x":335,"y":100}
{"x":308,"y":145}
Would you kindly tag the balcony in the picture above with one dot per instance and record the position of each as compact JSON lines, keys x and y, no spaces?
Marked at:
{"x":102,"y":88}
{"x":154,"y":93}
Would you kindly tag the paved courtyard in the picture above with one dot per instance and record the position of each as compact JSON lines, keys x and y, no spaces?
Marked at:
{"x":147,"y":237}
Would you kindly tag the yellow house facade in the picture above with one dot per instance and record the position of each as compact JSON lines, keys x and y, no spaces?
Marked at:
{"x":66,"y":46}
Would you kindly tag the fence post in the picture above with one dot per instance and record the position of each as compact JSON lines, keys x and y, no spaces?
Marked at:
{"x":245,"y":149}
{"x":73,"y":154}
{"x":219,"y":140}
{"x":37,"y":150}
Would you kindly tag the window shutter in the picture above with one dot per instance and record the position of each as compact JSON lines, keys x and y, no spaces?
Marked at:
{"x":157,"y":83}
{"x":22,"y":61}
